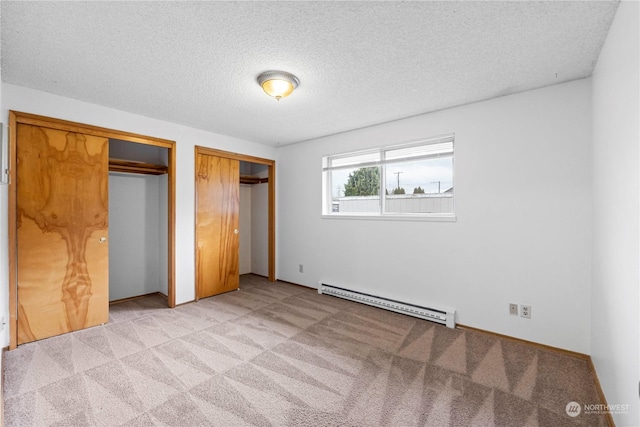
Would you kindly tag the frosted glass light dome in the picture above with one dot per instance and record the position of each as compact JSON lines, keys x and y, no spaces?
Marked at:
{"x":278,"y":84}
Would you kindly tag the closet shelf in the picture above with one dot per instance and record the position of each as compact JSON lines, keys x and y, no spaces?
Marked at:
{"x":248,"y":179}
{"x":116,"y":165}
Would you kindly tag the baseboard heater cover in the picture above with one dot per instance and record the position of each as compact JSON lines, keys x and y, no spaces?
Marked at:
{"x":444,"y":316}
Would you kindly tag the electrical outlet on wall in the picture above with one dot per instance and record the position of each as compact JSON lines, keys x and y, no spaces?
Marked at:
{"x":513,"y":309}
{"x":300,"y":268}
{"x":525,"y":311}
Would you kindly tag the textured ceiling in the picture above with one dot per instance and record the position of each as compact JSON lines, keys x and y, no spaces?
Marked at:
{"x":359,"y":63}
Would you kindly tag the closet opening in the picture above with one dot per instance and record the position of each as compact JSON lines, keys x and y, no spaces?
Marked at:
{"x":235,"y":219}
{"x":254,"y":219}
{"x":138,"y":209}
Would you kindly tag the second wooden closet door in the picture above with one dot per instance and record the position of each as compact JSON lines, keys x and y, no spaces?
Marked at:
{"x":217,"y":222}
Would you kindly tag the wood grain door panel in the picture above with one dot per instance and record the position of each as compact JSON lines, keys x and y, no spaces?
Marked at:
{"x":217,"y":222}
{"x":62,"y":226}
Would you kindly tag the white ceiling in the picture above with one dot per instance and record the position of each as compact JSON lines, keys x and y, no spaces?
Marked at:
{"x":359,"y":63}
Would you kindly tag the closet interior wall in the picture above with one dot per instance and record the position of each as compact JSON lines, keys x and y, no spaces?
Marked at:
{"x":138,"y":232}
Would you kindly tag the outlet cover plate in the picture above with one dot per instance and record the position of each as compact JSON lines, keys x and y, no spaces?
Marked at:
{"x":513,"y":309}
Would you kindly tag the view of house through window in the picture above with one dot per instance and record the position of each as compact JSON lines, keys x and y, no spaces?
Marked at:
{"x":412,"y":179}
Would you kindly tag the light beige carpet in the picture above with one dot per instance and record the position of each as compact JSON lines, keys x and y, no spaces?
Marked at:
{"x":282,"y":355}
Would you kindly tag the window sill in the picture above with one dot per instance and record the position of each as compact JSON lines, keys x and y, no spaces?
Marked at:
{"x":391,"y":217}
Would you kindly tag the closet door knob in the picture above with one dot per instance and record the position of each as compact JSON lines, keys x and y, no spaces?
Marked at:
{"x":236,"y":231}
{"x":103,"y":239}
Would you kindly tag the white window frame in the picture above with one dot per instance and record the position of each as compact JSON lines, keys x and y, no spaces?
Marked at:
{"x":381,"y":161}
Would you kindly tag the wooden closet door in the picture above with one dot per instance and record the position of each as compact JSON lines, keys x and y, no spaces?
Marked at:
{"x":62,"y":228}
{"x":217,"y":221}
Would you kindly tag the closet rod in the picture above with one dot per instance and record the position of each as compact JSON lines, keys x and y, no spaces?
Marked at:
{"x":116,"y":165}
{"x":248,"y":179}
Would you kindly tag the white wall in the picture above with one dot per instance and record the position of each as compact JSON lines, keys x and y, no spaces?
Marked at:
{"x":523,"y":225}
{"x":616,"y":218}
{"x":260,"y":228}
{"x":163,"y":218}
{"x":37,"y":102}
{"x":136,"y":256}
{"x":245,"y":229}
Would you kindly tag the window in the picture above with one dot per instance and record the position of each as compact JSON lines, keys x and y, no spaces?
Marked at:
{"x":413,"y":179}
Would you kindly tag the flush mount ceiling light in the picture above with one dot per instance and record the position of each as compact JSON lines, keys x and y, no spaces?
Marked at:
{"x":278,"y":84}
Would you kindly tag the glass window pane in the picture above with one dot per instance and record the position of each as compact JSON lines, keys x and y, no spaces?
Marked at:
{"x":421,"y":186}
{"x":355,"y":190}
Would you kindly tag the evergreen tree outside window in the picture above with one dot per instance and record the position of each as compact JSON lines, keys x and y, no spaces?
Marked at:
{"x":363,"y":182}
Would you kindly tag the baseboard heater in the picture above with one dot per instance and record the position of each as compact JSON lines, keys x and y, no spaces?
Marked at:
{"x":445,"y":317}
